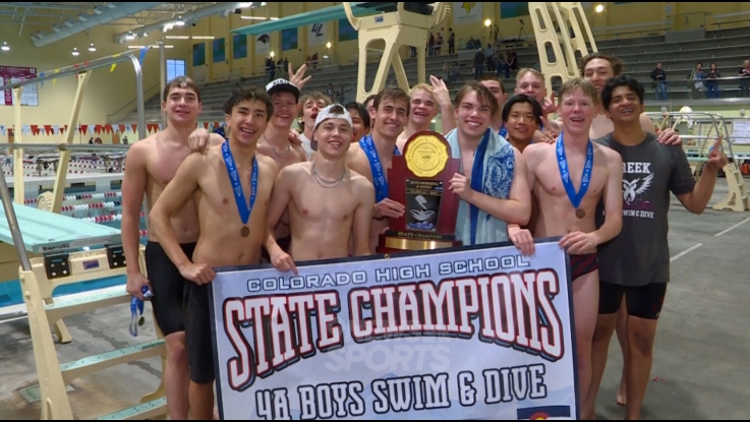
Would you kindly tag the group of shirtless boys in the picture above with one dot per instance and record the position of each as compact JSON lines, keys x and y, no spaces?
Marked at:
{"x":266,"y":193}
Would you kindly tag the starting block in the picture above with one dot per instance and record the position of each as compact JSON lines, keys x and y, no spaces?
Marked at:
{"x":66,"y":251}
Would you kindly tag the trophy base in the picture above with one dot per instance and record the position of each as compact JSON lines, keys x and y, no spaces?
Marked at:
{"x":394,"y":244}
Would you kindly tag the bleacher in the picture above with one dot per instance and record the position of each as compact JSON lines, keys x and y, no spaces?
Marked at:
{"x":727,"y":48}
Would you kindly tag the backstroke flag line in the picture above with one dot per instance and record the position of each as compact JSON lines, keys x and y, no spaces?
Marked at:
{"x":479,"y":333}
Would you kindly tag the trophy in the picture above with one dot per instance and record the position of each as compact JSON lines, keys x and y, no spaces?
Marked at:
{"x":420,"y":179}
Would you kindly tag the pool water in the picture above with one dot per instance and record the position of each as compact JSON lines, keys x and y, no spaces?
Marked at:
{"x":10,"y":291}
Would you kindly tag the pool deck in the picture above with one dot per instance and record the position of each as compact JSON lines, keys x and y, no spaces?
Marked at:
{"x":700,"y":362}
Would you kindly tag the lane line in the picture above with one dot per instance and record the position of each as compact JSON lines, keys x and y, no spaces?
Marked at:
{"x":732,"y":228}
{"x":685,"y":252}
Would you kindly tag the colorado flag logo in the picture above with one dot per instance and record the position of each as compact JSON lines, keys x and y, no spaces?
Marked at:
{"x":542,"y":413}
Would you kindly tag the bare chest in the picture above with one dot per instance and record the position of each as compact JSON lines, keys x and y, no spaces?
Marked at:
{"x":549,"y":177}
{"x":315,"y":203}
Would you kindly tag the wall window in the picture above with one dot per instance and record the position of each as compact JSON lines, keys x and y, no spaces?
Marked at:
{"x":175,"y":68}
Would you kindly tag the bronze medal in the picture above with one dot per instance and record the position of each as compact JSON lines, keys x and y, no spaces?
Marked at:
{"x":245,"y":232}
{"x":580,"y":213}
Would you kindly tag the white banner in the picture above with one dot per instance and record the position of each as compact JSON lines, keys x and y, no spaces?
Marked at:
{"x":741,"y":131}
{"x":317,"y":34}
{"x":480,"y":333}
{"x":467,"y":12}
{"x":262,"y":44}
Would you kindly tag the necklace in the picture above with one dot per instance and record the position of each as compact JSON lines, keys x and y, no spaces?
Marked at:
{"x":288,"y":148}
{"x":327,"y":183}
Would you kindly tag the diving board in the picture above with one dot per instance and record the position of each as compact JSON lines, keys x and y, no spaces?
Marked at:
{"x":45,"y":232}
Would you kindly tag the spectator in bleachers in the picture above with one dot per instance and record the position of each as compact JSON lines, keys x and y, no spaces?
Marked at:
{"x":505,"y":65}
{"x":660,"y":82}
{"x":447,"y":72}
{"x":695,"y":81}
{"x":489,"y":54}
{"x":745,"y":83}
{"x":455,"y":72}
{"x":271,"y":69}
{"x":451,"y":41}
{"x":330,"y":92}
{"x":439,"y":44}
{"x":431,"y":45}
{"x":360,"y":120}
{"x":712,"y":84}
{"x":285,"y":65}
{"x":472,"y":44}
{"x":370,"y":107}
{"x":479,"y":60}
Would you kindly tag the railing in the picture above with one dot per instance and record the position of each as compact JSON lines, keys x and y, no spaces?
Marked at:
{"x":630,"y":31}
{"x":731,"y":18}
{"x":113,"y":117}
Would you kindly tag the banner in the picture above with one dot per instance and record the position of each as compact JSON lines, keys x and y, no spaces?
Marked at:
{"x":467,"y":12}
{"x":317,"y":34}
{"x":10,"y":75}
{"x":474,"y":333}
{"x":262,"y":44}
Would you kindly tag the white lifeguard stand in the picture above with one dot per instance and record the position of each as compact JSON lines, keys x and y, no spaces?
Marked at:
{"x":553,"y":23}
{"x":396,"y":29}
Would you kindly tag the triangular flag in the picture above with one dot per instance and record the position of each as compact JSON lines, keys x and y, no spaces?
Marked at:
{"x":135,"y":127}
{"x":98,"y":129}
{"x":25,"y":129}
{"x":48,"y":129}
{"x":108,"y":128}
{"x":34,"y":130}
{"x":2,"y":130}
{"x":122,"y":128}
{"x":83,"y":129}
{"x":56,"y":129}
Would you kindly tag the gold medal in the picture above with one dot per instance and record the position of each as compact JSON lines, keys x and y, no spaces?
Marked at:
{"x":245,"y":232}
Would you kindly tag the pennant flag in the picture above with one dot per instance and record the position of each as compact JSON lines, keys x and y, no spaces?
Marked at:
{"x":108,"y":128}
{"x":112,"y":69}
{"x":135,"y":127}
{"x":34,"y":130}
{"x":56,"y":129}
{"x":86,"y":63}
{"x":143,"y":55}
{"x":122,"y":128}
{"x":66,"y":128}
{"x":25,"y":129}
{"x":83,"y":129}
{"x":75,"y":66}
{"x":48,"y":129}
{"x":3,"y":130}
{"x":98,"y":129}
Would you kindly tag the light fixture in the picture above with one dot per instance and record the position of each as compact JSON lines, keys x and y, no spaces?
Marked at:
{"x":263,"y":4}
{"x":140,"y":47}
{"x":179,"y":22}
{"x":92,"y":48}
{"x":487,"y":23}
{"x":258,"y":18}
{"x":145,"y":34}
{"x":245,"y":5}
{"x":273,"y":54}
{"x":177,"y":37}
{"x":5,"y":46}
{"x":599,"y":8}
{"x":328,"y":44}
{"x":75,"y":51}
{"x":203,"y":37}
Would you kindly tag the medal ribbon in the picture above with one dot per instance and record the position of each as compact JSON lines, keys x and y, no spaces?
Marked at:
{"x":477,"y":175}
{"x":503,"y":132}
{"x":378,"y":175}
{"x":239,"y":195}
{"x":136,"y":308}
{"x":562,"y":162}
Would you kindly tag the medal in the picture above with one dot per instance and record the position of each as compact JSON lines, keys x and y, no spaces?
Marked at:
{"x":239,"y":195}
{"x":562,"y":161}
{"x":378,"y":174}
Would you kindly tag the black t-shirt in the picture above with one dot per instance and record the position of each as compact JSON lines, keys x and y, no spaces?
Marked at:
{"x":639,"y":255}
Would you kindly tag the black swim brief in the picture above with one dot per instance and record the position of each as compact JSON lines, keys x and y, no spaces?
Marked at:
{"x":581,"y":265}
{"x":168,"y":286}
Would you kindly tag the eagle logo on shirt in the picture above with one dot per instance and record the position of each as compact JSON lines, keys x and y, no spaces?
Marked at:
{"x":633,"y":188}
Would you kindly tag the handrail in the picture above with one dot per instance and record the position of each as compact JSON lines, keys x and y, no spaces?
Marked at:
{"x":129,"y":103}
{"x":91,"y":65}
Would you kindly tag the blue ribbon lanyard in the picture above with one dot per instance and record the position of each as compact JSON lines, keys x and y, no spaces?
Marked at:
{"x":239,"y":195}
{"x":477,"y":174}
{"x":562,"y":161}
{"x":136,"y":311}
{"x":378,"y":173}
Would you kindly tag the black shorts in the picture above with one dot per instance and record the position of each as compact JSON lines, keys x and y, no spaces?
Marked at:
{"x":168,"y":286}
{"x":200,"y":349}
{"x":580,"y":265}
{"x":642,"y":301}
